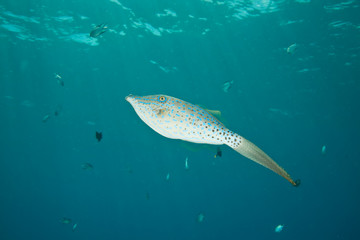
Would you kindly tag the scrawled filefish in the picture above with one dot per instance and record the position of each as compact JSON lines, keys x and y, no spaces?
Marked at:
{"x":177,"y":119}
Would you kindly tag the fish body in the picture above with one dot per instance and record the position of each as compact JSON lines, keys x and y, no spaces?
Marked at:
{"x":177,"y":119}
{"x":279,"y":228}
{"x":227,"y":85}
{"x":292,"y":48}
{"x":65,"y":220}
{"x":59,"y":79}
{"x":45,"y":118}
{"x":98,"y":30}
{"x":87,"y":166}
{"x":200,"y":217}
{"x":98,"y":136}
{"x":323,"y":150}
{"x":74,"y":227}
{"x":186,"y":163}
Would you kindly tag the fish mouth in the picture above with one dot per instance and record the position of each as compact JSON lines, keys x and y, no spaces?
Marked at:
{"x":129,"y":97}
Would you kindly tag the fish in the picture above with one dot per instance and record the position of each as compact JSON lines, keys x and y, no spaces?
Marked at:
{"x":218,"y":152}
{"x":45,"y":118}
{"x":227,"y":85}
{"x":323,"y":150}
{"x":57,"y":110}
{"x":186,"y":163}
{"x":87,"y":166}
{"x":292,"y":48}
{"x":279,"y":228}
{"x":98,"y":30}
{"x":177,"y":119}
{"x":200,"y":217}
{"x":65,"y":220}
{"x":59,"y":79}
{"x":74,"y":227}
{"x":98,"y":136}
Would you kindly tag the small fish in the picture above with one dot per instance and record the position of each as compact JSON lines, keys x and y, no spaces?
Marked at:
{"x":147,"y":196}
{"x":91,"y":123}
{"x":59,"y":79}
{"x":45,"y":118}
{"x":167,"y":177}
{"x":98,"y":30}
{"x":200,"y":217}
{"x":74,"y":227}
{"x":98,"y":136}
{"x":65,"y":220}
{"x":57,"y":110}
{"x":292,"y":48}
{"x":227,"y":85}
{"x":218,"y":152}
{"x":186,"y":163}
{"x":87,"y":166}
{"x":279,"y":228}
{"x":177,"y":119}
{"x":323,"y":150}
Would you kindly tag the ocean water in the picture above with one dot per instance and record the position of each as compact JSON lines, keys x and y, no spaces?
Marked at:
{"x":59,"y":86}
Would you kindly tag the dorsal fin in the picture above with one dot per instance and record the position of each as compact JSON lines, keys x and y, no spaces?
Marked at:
{"x":215,"y":113}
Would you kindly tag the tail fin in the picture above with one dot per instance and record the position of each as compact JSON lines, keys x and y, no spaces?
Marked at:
{"x":251,"y":151}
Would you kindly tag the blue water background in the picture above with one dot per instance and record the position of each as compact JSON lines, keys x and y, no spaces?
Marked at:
{"x":291,"y":105}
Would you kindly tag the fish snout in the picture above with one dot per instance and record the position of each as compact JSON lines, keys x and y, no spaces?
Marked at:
{"x":129,"y":98}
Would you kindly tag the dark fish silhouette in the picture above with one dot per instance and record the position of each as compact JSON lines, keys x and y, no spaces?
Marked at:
{"x":57,"y":110}
{"x":87,"y":166}
{"x":98,"y":136}
{"x":98,"y":30}
{"x":218,"y":153}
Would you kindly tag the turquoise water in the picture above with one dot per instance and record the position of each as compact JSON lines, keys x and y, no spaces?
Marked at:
{"x":58,"y":87}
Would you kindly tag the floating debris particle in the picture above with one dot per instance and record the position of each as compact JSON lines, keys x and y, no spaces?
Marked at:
{"x":227,"y":85}
{"x":279,"y":228}
{"x":98,"y":136}
{"x":292,"y":48}
{"x":147,"y":196}
{"x":323,"y":150}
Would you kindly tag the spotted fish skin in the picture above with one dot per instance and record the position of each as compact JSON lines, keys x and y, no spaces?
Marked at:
{"x":178,"y":119}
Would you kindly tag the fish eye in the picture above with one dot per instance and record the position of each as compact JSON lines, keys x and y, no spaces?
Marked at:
{"x":162,"y":98}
